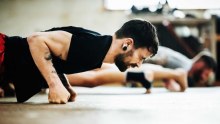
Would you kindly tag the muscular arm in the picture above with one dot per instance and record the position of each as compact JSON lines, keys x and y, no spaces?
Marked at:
{"x":41,"y":46}
{"x":110,"y":74}
{"x":107,"y":74}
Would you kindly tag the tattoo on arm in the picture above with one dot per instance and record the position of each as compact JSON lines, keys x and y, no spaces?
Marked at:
{"x":54,"y":71}
{"x":48,"y":56}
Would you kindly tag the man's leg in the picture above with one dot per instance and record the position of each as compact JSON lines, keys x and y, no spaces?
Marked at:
{"x":2,"y":49}
{"x":6,"y":88}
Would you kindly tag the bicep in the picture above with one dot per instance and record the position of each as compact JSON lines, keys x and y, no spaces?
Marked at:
{"x":57,"y":42}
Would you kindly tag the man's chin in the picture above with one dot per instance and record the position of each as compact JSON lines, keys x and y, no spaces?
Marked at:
{"x":122,"y":69}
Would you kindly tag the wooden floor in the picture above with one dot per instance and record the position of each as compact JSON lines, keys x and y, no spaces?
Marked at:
{"x":111,"y":105}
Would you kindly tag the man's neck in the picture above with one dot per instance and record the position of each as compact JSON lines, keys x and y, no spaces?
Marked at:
{"x":112,"y":52}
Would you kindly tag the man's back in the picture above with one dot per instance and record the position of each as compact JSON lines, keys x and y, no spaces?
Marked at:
{"x":171,"y":59}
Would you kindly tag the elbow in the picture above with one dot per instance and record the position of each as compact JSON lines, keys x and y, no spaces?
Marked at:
{"x":92,"y":81}
{"x":183,"y":89}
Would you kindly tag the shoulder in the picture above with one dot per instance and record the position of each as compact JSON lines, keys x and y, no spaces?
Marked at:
{"x":74,"y":30}
{"x":49,"y":35}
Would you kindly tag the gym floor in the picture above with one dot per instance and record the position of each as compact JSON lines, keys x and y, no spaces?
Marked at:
{"x":100,"y":105}
{"x":107,"y":105}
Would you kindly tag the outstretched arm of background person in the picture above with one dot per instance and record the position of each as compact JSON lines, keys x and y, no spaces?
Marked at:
{"x":109,"y":74}
{"x":174,"y":79}
{"x":42,"y":45}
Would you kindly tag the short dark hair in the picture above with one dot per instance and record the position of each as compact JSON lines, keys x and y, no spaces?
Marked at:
{"x":142,"y":32}
{"x":209,"y":61}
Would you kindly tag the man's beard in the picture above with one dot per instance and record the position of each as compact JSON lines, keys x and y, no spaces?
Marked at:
{"x":119,"y":61}
{"x":197,"y":76}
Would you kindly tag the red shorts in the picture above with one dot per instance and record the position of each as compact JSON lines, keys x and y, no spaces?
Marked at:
{"x":2,"y":50}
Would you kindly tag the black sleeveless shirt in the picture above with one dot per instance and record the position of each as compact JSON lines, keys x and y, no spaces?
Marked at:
{"x":87,"y":51}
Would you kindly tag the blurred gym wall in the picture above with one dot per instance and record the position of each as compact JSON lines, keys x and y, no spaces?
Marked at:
{"x":22,"y":17}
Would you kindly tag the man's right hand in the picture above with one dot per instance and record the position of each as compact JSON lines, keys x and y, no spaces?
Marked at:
{"x":58,"y":94}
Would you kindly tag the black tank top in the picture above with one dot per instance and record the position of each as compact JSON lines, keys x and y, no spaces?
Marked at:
{"x":87,"y":51}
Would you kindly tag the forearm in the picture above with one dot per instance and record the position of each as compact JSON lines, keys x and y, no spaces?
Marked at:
{"x":43,"y":60}
{"x":179,"y":75}
{"x":164,"y":74}
{"x":96,"y":78}
{"x":42,"y":45}
{"x":111,"y":76}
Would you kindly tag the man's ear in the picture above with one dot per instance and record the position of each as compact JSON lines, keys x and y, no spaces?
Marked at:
{"x":128,"y":44}
{"x":130,"y":41}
